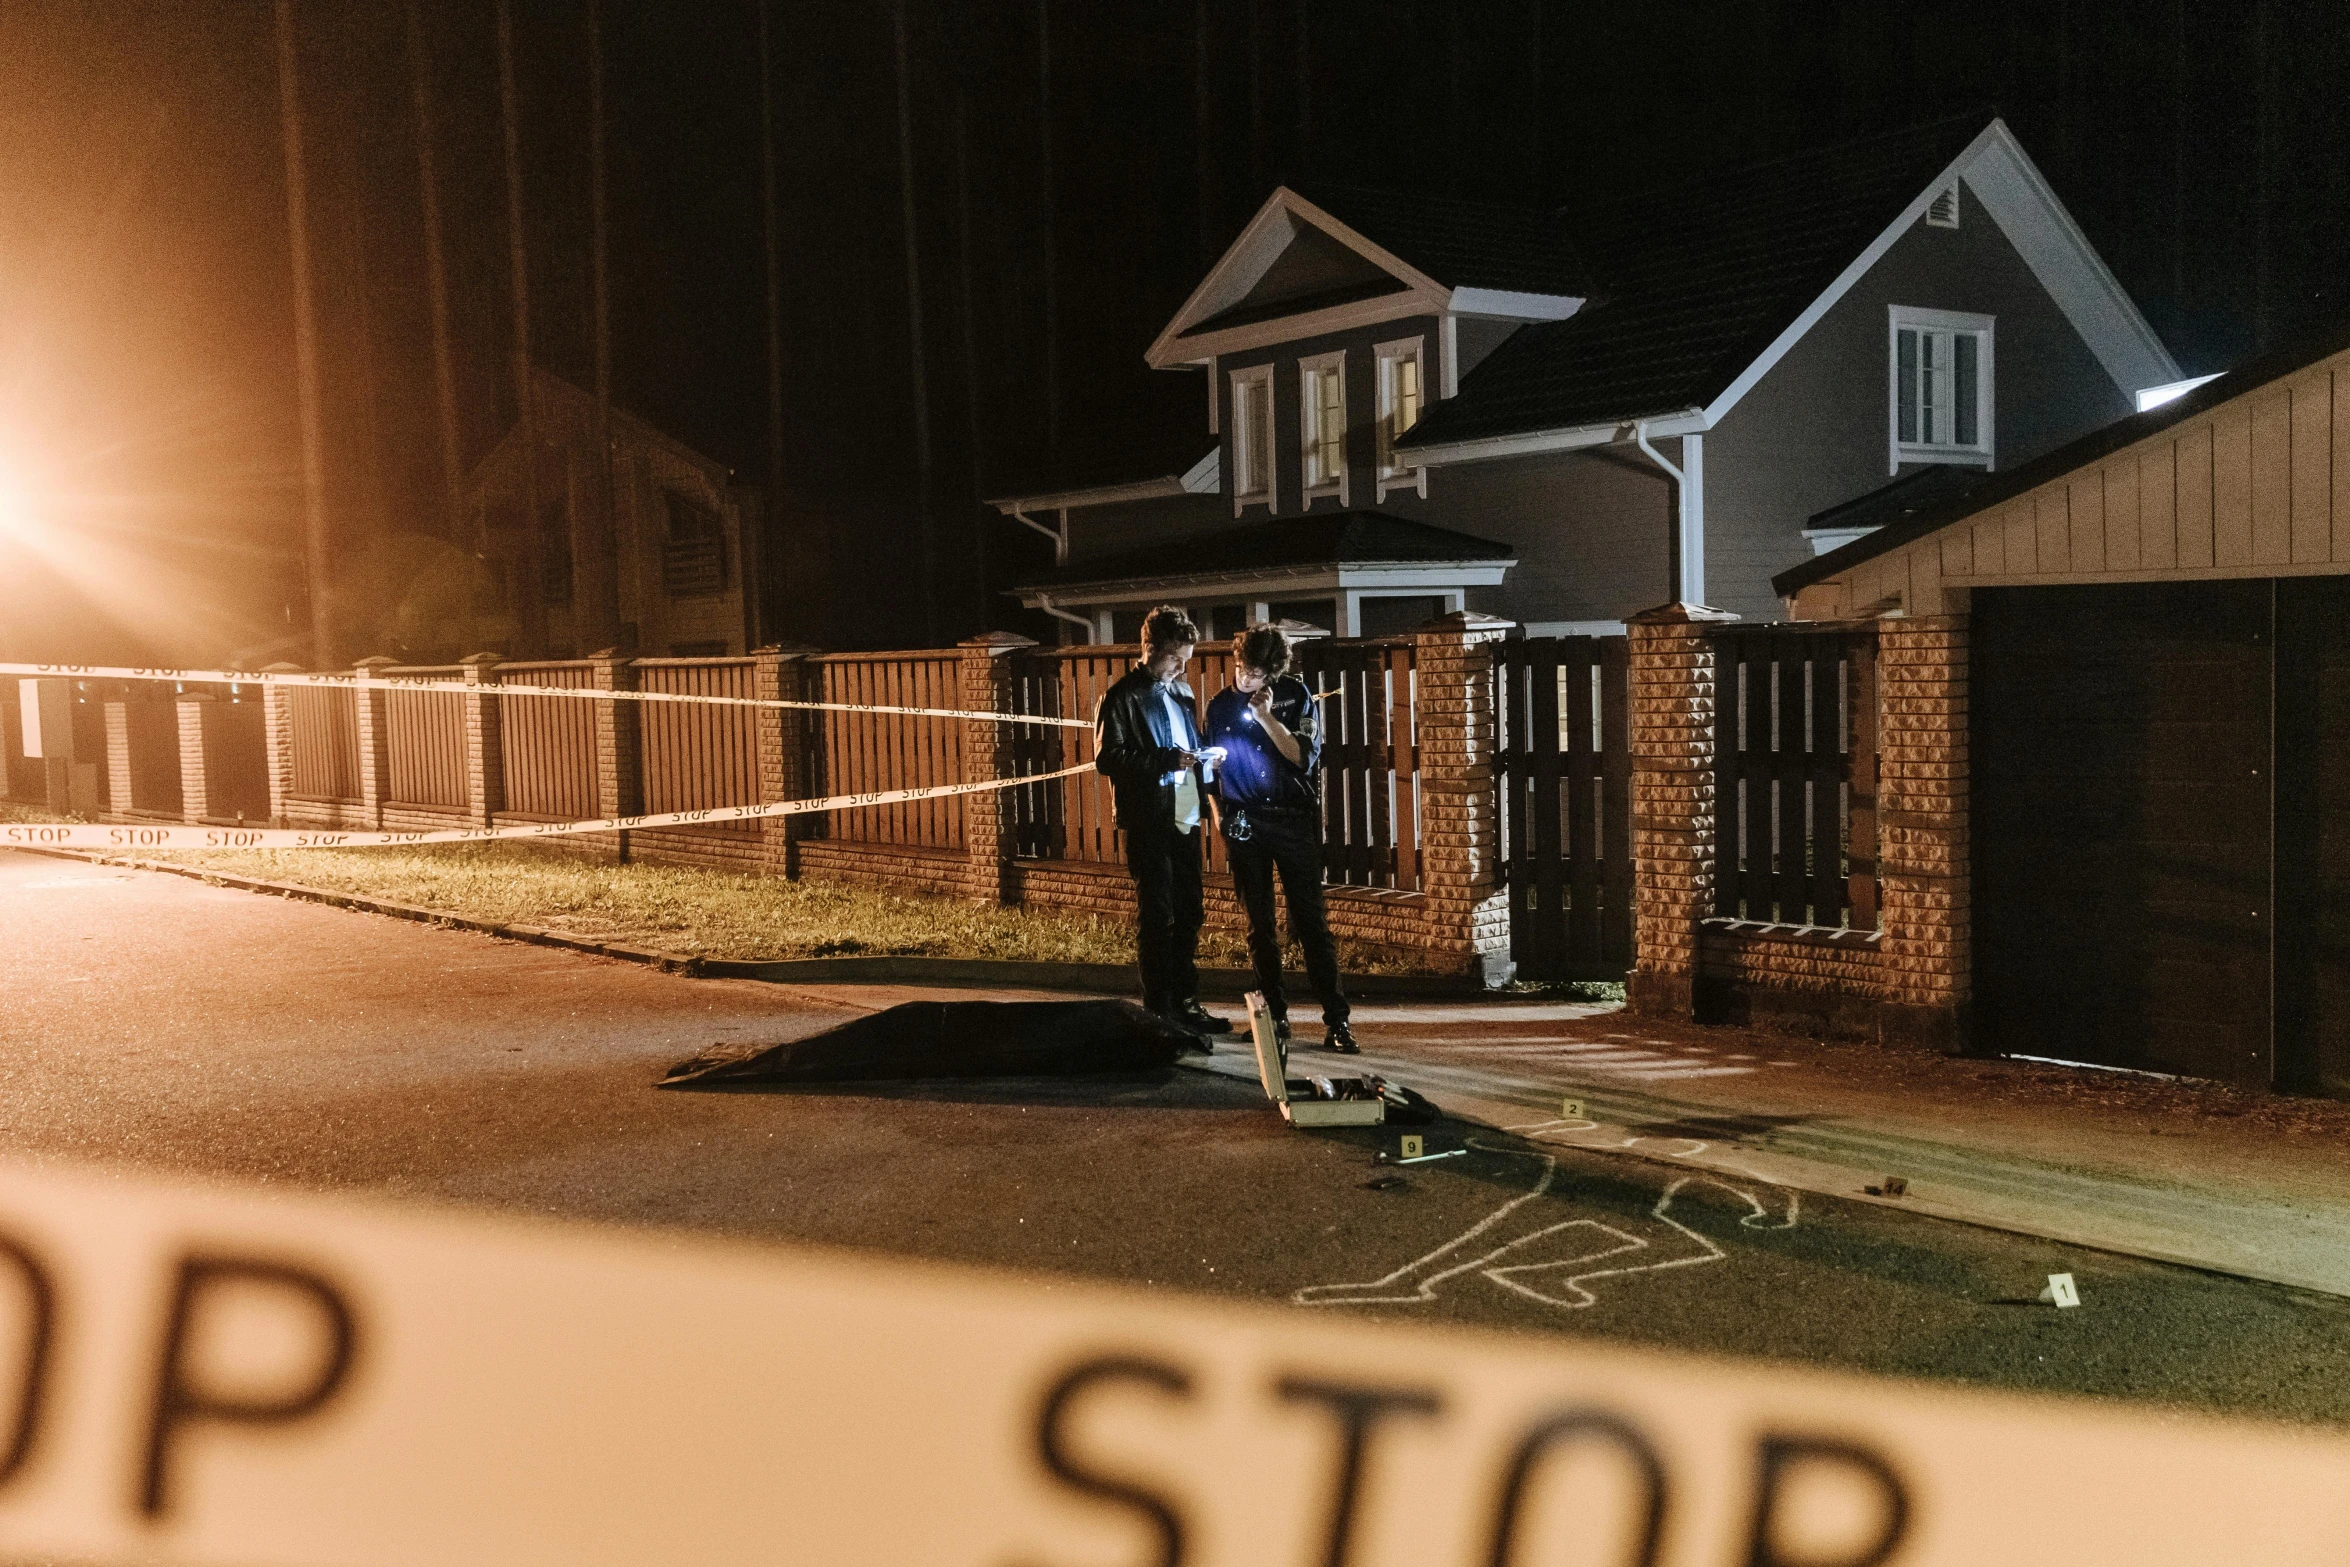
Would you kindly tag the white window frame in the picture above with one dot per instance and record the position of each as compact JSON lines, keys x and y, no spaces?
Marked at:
{"x":1253,"y":451}
{"x":1955,"y":324}
{"x":1389,"y":475}
{"x":1309,"y":427}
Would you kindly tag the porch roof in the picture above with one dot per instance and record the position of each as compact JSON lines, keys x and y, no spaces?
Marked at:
{"x":1323,"y":546}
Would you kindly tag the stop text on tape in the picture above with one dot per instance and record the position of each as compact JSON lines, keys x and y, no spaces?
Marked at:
{"x":192,"y":1374}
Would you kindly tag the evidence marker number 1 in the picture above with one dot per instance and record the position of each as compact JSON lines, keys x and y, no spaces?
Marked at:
{"x":2062,"y":1290}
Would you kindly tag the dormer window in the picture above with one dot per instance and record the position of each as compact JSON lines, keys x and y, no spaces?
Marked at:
{"x":1400,"y":399}
{"x":1322,"y":425}
{"x":1252,"y":438}
{"x":1941,"y":394}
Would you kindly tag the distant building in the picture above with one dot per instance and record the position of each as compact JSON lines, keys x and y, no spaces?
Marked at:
{"x":1564,"y":416}
{"x":686,"y":536}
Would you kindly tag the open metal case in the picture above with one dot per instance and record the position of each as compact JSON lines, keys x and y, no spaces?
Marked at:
{"x":1309,"y":1101}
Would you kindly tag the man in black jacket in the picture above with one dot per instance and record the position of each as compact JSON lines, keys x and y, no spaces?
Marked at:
{"x":1146,"y":742}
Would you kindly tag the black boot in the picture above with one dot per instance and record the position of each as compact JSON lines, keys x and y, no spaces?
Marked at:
{"x":1190,"y":1014}
{"x":1341,"y":1039}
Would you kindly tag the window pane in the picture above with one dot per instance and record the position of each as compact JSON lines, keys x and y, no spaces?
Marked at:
{"x":1966,"y":397}
{"x":1905,"y":381}
{"x":1407,"y":393}
{"x":1260,"y":437}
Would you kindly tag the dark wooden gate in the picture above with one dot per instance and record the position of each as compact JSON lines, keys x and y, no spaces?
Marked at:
{"x":1565,"y":773}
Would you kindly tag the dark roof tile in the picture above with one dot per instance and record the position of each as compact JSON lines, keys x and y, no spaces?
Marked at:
{"x":1692,"y":282}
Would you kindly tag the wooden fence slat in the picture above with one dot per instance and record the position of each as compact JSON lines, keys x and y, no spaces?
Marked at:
{"x":1582,"y":804}
{"x":1615,"y":945}
{"x":1550,"y":899}
{"x":1828,"y":764}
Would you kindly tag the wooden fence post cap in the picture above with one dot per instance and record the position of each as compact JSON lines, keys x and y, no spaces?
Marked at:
{"x":1681,"y":615}
{"x":998,"y":642}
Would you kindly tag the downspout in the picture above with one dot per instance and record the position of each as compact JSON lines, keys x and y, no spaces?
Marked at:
{"x":1045,"y":602}
{"x":1059,"y":536}
{"x":1689,"y":511}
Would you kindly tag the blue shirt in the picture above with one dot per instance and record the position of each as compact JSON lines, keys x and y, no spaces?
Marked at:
{"x":1255,"y":774}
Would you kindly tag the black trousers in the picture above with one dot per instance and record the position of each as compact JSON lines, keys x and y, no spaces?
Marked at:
{"x":1293,"y":850}
{"x":1165,"y":866}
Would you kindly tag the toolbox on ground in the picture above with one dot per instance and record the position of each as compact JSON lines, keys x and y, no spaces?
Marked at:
{"x":1310,"y":1101}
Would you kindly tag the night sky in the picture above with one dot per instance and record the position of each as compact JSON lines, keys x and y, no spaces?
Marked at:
{"x":1075,"y":167}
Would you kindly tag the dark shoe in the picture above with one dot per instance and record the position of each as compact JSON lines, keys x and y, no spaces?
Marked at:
{"x":1341,"y":1039}
{"x":1193,"y":1016}
{"x":1281,"y":1029}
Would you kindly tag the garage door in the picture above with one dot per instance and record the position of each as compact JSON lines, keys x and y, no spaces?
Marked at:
{"x":2121,"y":825}
{"x":2158,"y":882}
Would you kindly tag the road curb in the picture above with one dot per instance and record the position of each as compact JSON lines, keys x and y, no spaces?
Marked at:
{"x":905,"y":969}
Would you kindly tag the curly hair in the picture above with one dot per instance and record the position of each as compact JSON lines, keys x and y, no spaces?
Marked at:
{"x":1167,"y":626}
{"x":1266,"y":648}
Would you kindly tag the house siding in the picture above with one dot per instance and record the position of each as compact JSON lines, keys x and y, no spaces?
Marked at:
{"x":1362,"y":402}
{"x":1815,"y":432}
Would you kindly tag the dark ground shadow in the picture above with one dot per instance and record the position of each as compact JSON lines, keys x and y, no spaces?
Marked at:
{"x":1162,"y":1088}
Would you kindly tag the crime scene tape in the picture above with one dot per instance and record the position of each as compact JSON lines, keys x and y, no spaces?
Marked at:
{"x":198,"y":1376}
{"x":357,"y":682}
{"x":88,"y":835}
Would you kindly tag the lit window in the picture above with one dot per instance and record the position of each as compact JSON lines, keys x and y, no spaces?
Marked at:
{"x":1252,"y":436}
{"x":1400,"y":401}
{"x":1941,"y":399}
{"x":1322,"y":402}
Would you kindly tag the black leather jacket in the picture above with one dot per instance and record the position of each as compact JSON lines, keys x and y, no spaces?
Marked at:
{"x":1127,"y":753}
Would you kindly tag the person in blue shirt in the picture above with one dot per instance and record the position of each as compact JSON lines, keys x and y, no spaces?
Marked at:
{"x":1269,"y":798}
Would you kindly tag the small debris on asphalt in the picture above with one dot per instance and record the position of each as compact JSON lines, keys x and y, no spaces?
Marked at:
{"x":1384,"y":1183}
{"x":1892,"y":1186}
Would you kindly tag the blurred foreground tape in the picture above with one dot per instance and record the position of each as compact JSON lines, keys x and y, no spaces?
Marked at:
{"x":194,"y":1375}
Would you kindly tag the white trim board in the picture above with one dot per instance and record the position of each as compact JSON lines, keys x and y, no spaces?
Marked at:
{"x":1261,"y":243}
{"x":1291,"y":582}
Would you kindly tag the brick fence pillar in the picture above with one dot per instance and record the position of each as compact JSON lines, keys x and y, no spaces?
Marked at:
{"x":375,"y":743}
{"x":620,"y":774}
{"x":991,"y":836}
{"x":118,"y":757}
{"x":1922,"y":826}
{"x":1468,"y":916}
{"x":485,"y":758}
{"x":1672,"y":733}
{"x":277,"y":739}
{"x":782,"y":674}
{"x":194,"y":795}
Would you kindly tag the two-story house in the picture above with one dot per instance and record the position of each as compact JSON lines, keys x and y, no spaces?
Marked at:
{"x":1415,"y":404}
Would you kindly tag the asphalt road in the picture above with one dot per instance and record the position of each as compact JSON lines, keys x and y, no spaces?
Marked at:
{"x":150,"y":1019}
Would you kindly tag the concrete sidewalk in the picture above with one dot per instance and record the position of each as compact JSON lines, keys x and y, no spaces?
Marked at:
{"x":2251,"y":1185}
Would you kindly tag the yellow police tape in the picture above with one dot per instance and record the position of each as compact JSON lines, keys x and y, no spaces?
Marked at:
{"x":360,"y":682}
{"x":92,"y":835}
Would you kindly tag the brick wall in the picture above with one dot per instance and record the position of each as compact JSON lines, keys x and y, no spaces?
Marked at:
{"x":1909,"y":978}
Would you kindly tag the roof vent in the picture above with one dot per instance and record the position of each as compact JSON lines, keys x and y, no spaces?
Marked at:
{"x":1942,"y":211}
